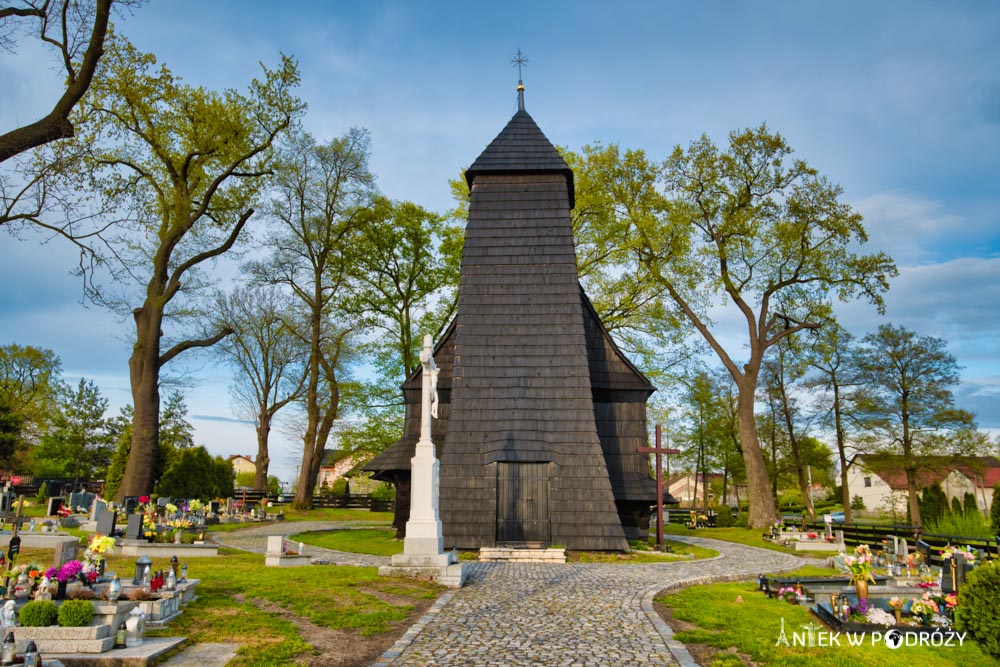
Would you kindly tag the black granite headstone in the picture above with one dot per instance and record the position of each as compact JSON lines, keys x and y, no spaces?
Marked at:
{"x":133,"y":530}
{"x":106,"y":521}
{"x":130,"y":503}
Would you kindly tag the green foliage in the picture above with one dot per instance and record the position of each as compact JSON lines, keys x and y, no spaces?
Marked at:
{"x":40,"y":613}
{"x":384,"y":491}
{"x":78,"y":445}
{"x":339,"y":487}
{"x":30,"y":382}
{"x":956,"y":505}
{"x":995,"y":509}
{"x":120,"y":433}
{"x":857,"y":503}
{"x":246,"y":479}
{"x":976,"y":610}
{"x":724,"y":518}
{"x":43,"y":494}
{"x":933,"y":503}
{"x":971,"y":524}
{"x":75,"y":613}
{"x":196,"y":474}
{"x":969,"y":505}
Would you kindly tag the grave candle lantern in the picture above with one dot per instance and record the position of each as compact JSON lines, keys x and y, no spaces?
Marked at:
{"x":142,"y":567}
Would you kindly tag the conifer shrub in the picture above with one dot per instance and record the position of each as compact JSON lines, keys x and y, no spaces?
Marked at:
{"x":969,"y":503}
{"x":976,"y":609}
{"x":75,"y":613}
{"x":995,"y":508}
{"x":40,"y":614}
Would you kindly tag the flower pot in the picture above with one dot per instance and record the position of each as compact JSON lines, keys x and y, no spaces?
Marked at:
{"x":61,"y":591}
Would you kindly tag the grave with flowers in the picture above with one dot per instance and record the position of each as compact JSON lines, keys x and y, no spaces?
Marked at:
{"x":875,"y":595}
{"x":165,"y":528}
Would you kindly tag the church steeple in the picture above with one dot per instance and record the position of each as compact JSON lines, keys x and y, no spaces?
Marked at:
{"x":520,"y":60}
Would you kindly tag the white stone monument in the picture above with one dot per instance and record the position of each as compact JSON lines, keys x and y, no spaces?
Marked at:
{"x":423,"y":547}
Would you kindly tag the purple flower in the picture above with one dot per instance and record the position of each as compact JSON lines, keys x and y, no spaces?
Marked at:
{"x":51,"y":573}
{"x":69,"y":570}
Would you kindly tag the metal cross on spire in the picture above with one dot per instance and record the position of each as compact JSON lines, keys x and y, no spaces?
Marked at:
{"x":520,"y":60}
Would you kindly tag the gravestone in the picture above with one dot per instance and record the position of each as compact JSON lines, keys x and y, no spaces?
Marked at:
{"x":97,"y":507}
{"x":6,"y":501}
{"x":130,"y":503}
{"x":214,"y":508}
{"x":64,"y":551}
{"x":106,"y":520}
{"x":82,"y":499}
{"x":904,"y":550}
{"x":163,"y":501}
{"x":55,"y":504}
{"x":133,"y":529}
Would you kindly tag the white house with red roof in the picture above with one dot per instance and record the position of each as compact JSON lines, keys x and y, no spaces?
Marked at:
{"x":881,"y":480}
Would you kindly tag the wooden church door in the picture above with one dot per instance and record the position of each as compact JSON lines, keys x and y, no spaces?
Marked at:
{"x":523,"y":503}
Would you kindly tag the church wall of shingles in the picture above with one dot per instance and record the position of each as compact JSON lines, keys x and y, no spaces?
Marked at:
{"x":521,"y":383}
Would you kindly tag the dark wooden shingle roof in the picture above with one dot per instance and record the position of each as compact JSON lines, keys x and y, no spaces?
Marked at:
{"x":521,"y":147}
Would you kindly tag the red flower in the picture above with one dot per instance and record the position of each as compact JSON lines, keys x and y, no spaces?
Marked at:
{"x":144,"y":499}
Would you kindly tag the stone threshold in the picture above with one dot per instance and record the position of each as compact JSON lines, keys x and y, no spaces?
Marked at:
{"x":522,"y":555}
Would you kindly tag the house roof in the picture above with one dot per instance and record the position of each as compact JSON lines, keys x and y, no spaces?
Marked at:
{"x":521,"y":148}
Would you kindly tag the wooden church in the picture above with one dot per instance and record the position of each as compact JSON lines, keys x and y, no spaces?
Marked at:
{"x":540,"y":413}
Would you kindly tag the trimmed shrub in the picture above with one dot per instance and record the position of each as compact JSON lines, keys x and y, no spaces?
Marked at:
{"x":724,"y":518}
{"x":857,"y":503}
{"x":339,"y":487}
{"x":75,"y":613}
{"x":40,"y":613}
{"x":995,"y":508}
{"x":933,"y":503}
{"x":43,"y":494}
{"x":976,"y":609}
{"x":956,"y":505}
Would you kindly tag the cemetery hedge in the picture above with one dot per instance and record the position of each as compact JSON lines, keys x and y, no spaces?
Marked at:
{"x":977,"y":607}
{"x":75,"y":613}
{"x":39,"y":614}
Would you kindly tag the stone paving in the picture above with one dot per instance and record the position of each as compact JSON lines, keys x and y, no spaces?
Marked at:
{"x":572,"y":615}
{"x":577,"y":615}
{"x":254,"y":539}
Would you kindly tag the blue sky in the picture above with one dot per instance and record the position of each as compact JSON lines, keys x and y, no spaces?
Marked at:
{"x":899,"y":102}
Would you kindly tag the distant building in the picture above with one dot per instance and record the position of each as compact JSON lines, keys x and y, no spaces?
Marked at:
{"x":880,"y":481}
{"x":242,"y":463}
{"x":336,"y":464}
{"x":688,"y":489}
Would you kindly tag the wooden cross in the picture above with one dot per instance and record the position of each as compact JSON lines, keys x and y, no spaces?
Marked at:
{"x":659,"y":451}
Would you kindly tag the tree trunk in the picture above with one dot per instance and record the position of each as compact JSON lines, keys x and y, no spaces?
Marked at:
{"x":845,"y":492}
{"x":144,"y":367}
{"x":911,"y":492}
{"x":800,"y":471}
{"x":762,"y":509}
{"x":263,"y":461}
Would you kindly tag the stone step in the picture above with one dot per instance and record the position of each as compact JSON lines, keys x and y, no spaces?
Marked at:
{"x":512,"y":554}
{"x":49,"y":646}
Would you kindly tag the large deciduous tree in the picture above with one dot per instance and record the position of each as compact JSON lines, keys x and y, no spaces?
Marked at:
{"x":76,"y":30}
{"x":267,"y":359}
{"x":30,"y":385}
{"x":321,"y":190}
{"x":749,"y":229}
{"x":187,"y":164}
{"x":909,"y":380}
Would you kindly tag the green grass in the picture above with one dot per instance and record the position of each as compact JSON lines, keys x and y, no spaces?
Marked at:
{"x":322,"y":514}
{"x":242,"y":602}
{"x":753,"y":626}
{"x":679,"y":552}
{"x":749,"y":536}
{"x":360,"y":541}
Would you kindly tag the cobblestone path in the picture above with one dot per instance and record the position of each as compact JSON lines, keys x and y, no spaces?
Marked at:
{"x":577,"y":615}
{"x":254,"y":539}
